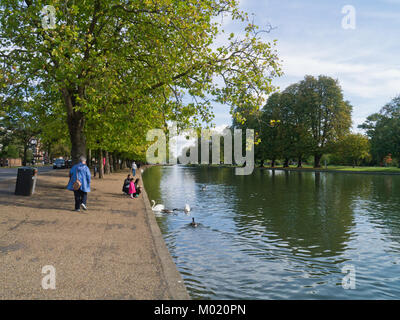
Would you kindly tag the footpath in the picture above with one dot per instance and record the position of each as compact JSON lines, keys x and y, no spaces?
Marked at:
{"x":114,"y":250}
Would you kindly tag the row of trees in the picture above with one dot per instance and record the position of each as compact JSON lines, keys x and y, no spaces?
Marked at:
{"x":110,"y":70}
{"x":308,"y":118}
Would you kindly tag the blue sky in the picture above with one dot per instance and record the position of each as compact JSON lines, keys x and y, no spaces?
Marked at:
{"x":311,"y":40}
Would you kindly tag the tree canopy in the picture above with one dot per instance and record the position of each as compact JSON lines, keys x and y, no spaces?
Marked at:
{"x":383,"y":129}
{"x":111,"y":70}
{"x":307,"y":118}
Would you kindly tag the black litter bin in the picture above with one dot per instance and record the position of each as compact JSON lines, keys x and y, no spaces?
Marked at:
{"x":26,"y":181}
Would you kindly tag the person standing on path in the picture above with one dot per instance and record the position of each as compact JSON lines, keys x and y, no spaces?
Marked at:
{"x":80,"y":172}
{"x":134,"y":167}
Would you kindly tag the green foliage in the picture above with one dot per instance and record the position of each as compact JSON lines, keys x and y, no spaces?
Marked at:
{"x":19,"y":124}
{"x":383,"y":129}
{"x":10,"y":151}
{"x":111,"y":70}
{"x":271,"y":137}
{"x":307,"y":118}
{"x":352,"y":148}
{"x":328,"y":116}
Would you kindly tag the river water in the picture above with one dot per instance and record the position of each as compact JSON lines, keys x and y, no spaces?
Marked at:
{"x":281,"y":235}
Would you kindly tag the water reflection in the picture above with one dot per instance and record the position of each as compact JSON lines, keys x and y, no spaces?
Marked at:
{"x":278,"y":234}
{"x":301,"y":210}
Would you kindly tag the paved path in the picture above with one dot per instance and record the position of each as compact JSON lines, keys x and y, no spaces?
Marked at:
{"x":112,"y":251}
{"x":11,"y":173}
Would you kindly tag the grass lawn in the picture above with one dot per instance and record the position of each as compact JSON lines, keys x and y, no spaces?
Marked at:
{"x":311,"y":168}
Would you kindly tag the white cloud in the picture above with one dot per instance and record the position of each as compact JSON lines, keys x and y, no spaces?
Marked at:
{"x":360,"y":79}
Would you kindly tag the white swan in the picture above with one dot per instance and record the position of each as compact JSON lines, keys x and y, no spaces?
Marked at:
{"x":203,"y":188}
{"x":158,"y":207}
{"x":187,"y":208}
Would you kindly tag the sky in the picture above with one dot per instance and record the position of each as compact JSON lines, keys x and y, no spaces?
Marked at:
{"x":312,"y":41}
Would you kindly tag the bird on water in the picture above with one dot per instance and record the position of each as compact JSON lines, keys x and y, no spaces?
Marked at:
{"x":193,"y":223}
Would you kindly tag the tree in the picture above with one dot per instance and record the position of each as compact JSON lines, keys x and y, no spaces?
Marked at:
{"x":54,"y":131}
{"x":120,"y":68}
{"x":327,"y":115}
{"x":383,"y":129}
{"x":20,"y":126}
{"x":271,"y":135}
{"x":9,"y":151}
{"x":295,"y":129}
{"x":352,"y":148}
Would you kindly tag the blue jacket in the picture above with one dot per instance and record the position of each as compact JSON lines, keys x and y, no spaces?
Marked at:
{"x":83,"y":173}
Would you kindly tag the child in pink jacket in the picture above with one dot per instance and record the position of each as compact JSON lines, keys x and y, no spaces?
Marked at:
{"x":132,"y":188}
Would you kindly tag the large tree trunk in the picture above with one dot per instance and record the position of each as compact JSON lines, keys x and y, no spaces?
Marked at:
{"x":317,"y":160}
{"x":78,"y":141}
{"x":76,"y":123}
{"x":111,"y":160}
{"x":107,"y":167}
{"x":273,"y":163}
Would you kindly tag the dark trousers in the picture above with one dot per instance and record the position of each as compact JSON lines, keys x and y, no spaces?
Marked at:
{"x":80,"y":197}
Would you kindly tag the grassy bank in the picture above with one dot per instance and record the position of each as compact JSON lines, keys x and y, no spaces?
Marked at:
{"x":386,"y":170}
{"x":351,"y":169}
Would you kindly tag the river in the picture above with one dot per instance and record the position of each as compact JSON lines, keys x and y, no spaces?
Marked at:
{"x":281,"y":235}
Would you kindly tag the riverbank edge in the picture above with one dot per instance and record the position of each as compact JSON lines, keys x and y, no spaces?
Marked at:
{"x":330,"y":170}
{"x":172,"y":277}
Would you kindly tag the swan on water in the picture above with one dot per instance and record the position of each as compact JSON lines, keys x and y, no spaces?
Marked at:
{"x":158,"y":207}
{"x":203,"y":188}
{"x":187,"y":208}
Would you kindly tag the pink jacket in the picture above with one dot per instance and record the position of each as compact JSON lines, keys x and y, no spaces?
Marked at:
{"x":132,"y":187}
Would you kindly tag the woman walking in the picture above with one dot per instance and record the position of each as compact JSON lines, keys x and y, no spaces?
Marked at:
{"x":79,"y":183}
